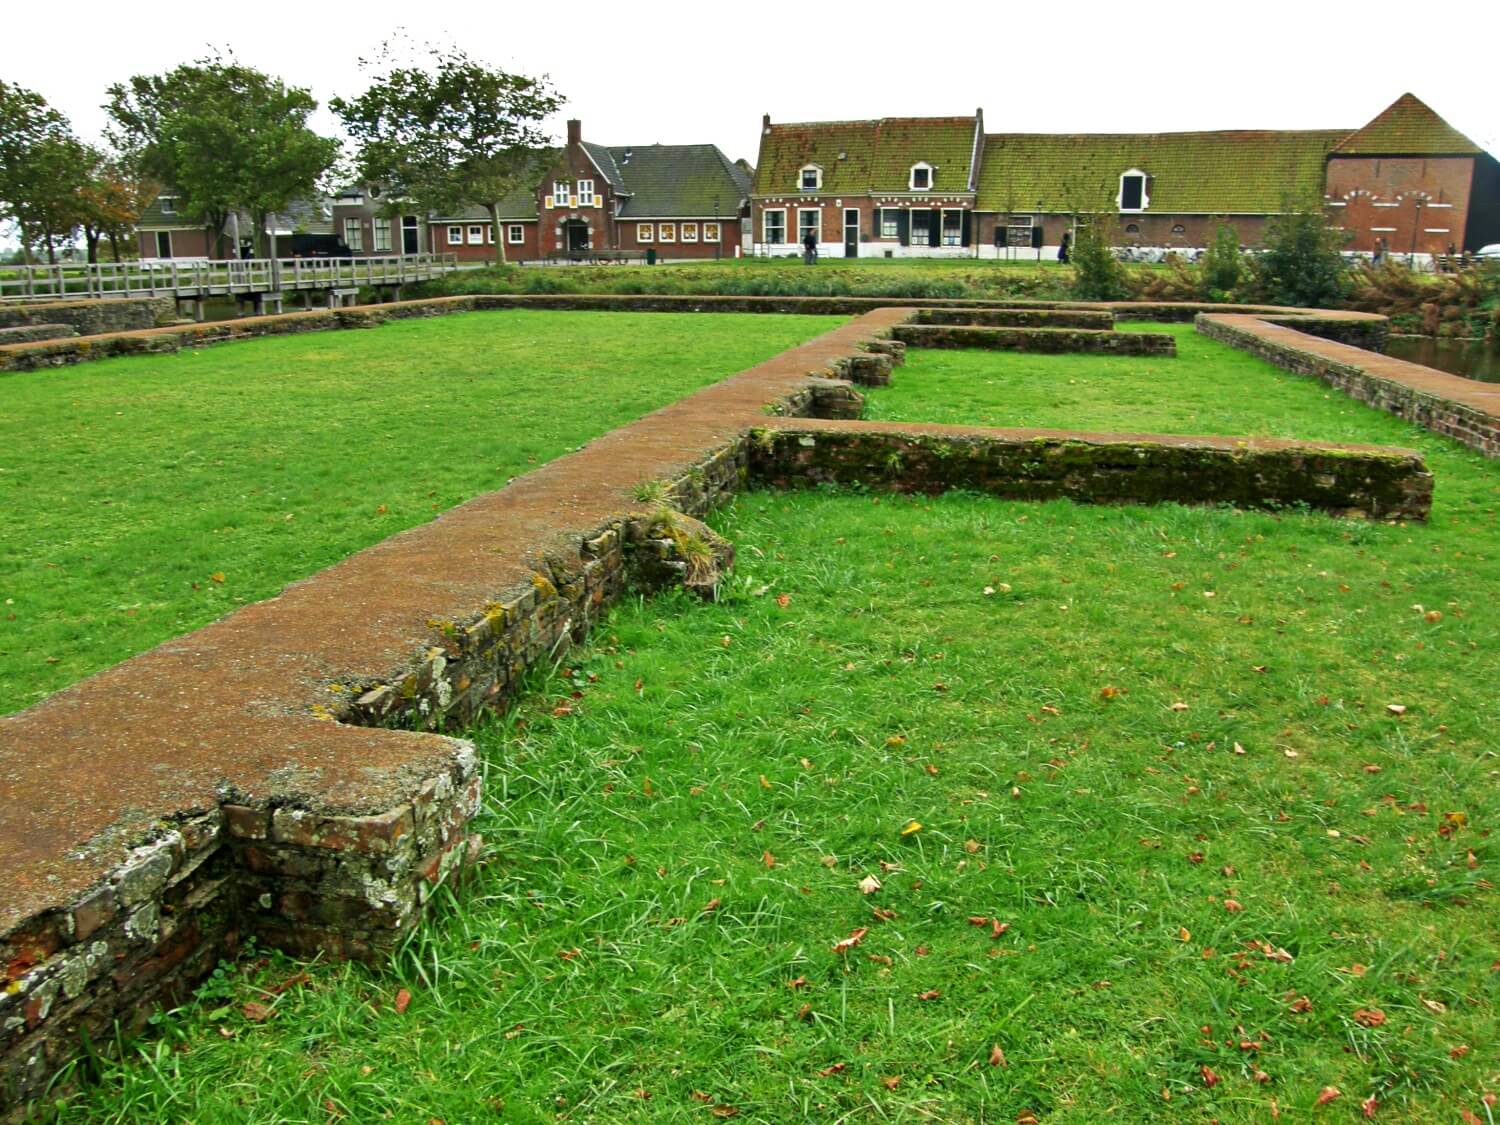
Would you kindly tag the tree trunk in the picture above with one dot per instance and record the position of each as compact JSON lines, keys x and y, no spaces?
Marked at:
{"x":262,"y":243}
{"x":91,"y":240}
{"x":51,"y":250}
{"x":494,"y":210}
{"x":114,"y":244}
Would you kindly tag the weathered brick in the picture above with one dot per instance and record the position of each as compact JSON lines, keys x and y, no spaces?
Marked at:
{"x":246,"y":823}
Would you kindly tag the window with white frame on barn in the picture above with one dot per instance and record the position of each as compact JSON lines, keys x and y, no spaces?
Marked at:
{"x":515,"y":233}
{"x":585,"y":193}
{"x":354,"y":235}
{"x":809,"y":222}
{"x":690,"y":232}
{"x":774,"y":220}
{"x":476,"y":235}
{"x":890,"y":222}
{"x":380,"y":235}
{"x":560,"y":193}
{"x":810,"y":178}
{"x":645,"y":232}
{"x":1018,"y":231}
{"x":666,"y":232}
{"x":710,"y":232}
{"x":455,"y":236}
{"x":953,"y":228}
{"x":921,"y":176}
{"x":1133,"y":195}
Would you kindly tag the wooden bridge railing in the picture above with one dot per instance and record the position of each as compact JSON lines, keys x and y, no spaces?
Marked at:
{"x":206,"y":278}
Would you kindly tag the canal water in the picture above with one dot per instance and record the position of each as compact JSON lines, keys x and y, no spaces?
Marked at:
{"x":1473,"y":359}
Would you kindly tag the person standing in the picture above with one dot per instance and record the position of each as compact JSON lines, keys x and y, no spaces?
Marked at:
{"x":809,"y":249}
{"x":1064,"y":246}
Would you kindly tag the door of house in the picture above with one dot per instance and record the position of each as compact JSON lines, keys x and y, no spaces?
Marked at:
{"x":163,"y":244}
{"x":578,"y":235}
{"x":410,"y":243}
{"x":851,"y":232}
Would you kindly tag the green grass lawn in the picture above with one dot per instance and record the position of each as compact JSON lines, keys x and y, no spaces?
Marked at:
{"x":1177,"y":859}
{"x":141,"y":497}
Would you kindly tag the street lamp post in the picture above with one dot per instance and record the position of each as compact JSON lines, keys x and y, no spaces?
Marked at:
{"x":1041,"y":232}
{"x":718,"y":242}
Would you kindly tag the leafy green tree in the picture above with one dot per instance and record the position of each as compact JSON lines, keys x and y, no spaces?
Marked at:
{"x":451,"y":133}
{"x":113,"y":197}
{"x":42,"y":170}
{"x":1097,"y":274}
{"x":225,"y":136}
{"x":1223,"y":265}
{"x":1302,"y":262}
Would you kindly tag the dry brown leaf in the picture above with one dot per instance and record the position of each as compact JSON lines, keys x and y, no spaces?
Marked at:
{"x":848,"y":943}
{"x":1367,"y":1107}
{"x":1232,"y":906}
{"x":836,"y":1068}
{"x":712,"y":905}
{"x":1210,"y":1079}
{"x":971,"y":846}
{"x":997,"y":1056}
{"x":869,"y":885}
{"x":1369,"y":1017}
{"x":256,"y":1012}
{"x":930,"y":994}
{"x":1327,"y":1094}
{"x":891,"y":1081}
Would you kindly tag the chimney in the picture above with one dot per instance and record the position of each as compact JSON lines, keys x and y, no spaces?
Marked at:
{"x":765,"y":123}
{"x":575,"y":131}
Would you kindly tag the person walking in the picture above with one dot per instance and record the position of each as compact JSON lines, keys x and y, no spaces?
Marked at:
{"x":1064,"y":246}
{"x":809,"y":249}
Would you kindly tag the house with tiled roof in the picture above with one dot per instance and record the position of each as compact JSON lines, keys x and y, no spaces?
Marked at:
{"x":678,"y":201}
{"x":1408,"y":182}
{"x":167,"y":229}
{"x":887,"y":187}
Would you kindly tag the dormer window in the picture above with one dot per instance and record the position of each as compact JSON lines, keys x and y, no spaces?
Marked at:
{"x":921,"y":176}
{"x":811,"y":178}
{"x":169,"y":205}
{"x":1133,"y":195}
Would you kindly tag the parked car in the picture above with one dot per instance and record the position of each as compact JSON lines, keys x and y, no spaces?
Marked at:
{"x":1490,"y":253}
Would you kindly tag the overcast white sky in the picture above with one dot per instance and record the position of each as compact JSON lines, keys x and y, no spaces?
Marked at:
{"x":682,"y":72}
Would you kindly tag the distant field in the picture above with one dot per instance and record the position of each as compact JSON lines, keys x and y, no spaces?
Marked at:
{"x":145,"y":496}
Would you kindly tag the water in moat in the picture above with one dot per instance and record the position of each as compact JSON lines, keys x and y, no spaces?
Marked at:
{"x":1473,"y":359}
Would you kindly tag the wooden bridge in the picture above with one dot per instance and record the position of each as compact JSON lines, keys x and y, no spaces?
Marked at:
{"x":263,"y":280}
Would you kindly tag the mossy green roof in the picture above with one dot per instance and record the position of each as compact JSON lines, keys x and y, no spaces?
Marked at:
{"x":1407,"y":127}
{"x":672,"y":181}
{"x":866,"y":157}
{"x":1238,"y":171}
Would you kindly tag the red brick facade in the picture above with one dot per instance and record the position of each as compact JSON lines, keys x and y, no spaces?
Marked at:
{"x":1413,"y":204}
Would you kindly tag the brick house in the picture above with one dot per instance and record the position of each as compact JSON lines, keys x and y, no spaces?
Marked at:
{"x":943,"y":187}
{"x":363,"y":222}
{"x":165,"y":232}
{"x":683,"y":201}
{"x":892,"y":187}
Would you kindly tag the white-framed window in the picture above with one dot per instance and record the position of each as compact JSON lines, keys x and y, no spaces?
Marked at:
{"x":1018,"y":231}
{"x":921,"y":176}
{"x":169,"y":205}
{"x":710,"y":232}
{"x":380,"y":235}
{"x":645,"y":232}
{"x":1133,"y":195}
{"x":809,"y":221}
{"x":921,"y":227}
{"x":476,"y":235}
{"x":773,"y":220}
{"x":953,"y":228}
{"x":515,"y":233}
{"x":489,"y":233}
{"x":890,"y":222}
{"x":354,"y":235}
{"x":455,"y":236}
{"x":690,"y":232}
{"x":810,"y":178}
{"x":585,"y":193}
{"x":666,"y":232}
{"x":560,"y":193}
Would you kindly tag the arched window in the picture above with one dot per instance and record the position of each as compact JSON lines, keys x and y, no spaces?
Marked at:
{"x":1132,"y":228}
{"x":1178,"y":228}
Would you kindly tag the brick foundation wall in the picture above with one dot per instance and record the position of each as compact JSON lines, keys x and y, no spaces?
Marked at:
{"x":1431,"y":399}
{"x":35,"y":333}
{"x":90,"y":318}
{"x":1018,"y":318}
{"x":1048,"y":340}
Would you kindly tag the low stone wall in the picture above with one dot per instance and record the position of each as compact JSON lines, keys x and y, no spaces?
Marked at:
{"x":1019,"y":318}
{"x":1458,"y":408}
{"x":1051,"y":341}
{"x":90,"y":318}
{"x":1356,"y":481}
{"x":34,"y":333}
{"x":1368,"y":332}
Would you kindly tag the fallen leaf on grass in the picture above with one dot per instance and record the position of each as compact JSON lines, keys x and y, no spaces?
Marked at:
{"x":848,"y":943}
{"x":403,"y":1001}
{"x":930,"y":994}
{"x":869,"y":885}
{"x":882,"y":914}
{"x":800,"y":982}
{"x":565,"y":954}
{"x":1436,"y":1006}
{"x":255,"y":1011}
{"x":727,"y":1110}
{"x":712,"y":905}
{"x":1210,"y":1079}
{"x":1184,"y":934}
{"x":1327,"y":1094}
{"x":1367,"y":1107}
{"x":891,"y":1081}
{"x":997,"y":1056}
{"x":1232,"y":906}
{"x":1369,"y":1017}
{"x":1396,"y":708}
{"x":830,"y":1071}
{"x":1301,"y":1004}
{"x":911,"y":827}
{"x":998,"y":927}
{"x":768,"y":859}
{"x":783,"y":600}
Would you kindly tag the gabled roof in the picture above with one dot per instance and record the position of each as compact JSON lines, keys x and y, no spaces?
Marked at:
{"x":867,"y":157}
{"x":520,"y":204}
{"x":1230,"y":172}
{"x":604,"y":160}
{"x":663,"y":181}
{"x":311,"y":216}
{"x":1407,"y":127}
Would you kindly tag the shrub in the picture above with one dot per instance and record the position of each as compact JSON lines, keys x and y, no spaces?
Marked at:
{"x":1223,"y":265}
{"x":1097,"y":273}
{"x":1302,"y":263}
